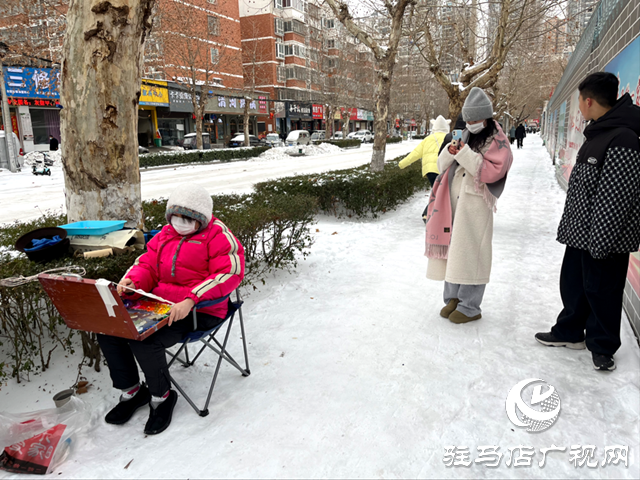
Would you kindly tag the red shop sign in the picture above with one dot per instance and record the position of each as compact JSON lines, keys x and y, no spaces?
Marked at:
{"x":318,"y":111}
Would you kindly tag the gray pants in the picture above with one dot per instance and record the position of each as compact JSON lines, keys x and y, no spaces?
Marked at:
{"x":470,"y":297}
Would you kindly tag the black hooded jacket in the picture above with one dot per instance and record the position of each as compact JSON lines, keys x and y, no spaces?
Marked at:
{"x":602,"y":210}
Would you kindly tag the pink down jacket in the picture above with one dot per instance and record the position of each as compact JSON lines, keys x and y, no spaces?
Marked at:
{"x":204,"y":266}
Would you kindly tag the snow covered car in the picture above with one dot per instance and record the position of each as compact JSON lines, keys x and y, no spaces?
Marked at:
{"x":337,"y":136}
{"x":238,"y":141}
{"x":318,"y":135}
{"x":273,"y":140}
{"x":189,"y":142}
{"x":297,"y":137}
{"x":365,"y":136}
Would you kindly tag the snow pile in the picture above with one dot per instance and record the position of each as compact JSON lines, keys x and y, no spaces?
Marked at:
{"x":32,"y":157}
{"x":281,"y":153}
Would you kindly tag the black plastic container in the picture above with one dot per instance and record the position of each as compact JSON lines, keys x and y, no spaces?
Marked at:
{"x":45,"y":254}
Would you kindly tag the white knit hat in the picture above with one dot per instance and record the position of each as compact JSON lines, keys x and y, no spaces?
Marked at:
{"x":477,"y":106}
{"x":191,"y":201}
{"x":440,"y":124}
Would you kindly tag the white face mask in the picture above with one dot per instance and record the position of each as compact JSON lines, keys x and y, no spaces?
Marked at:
{"x":476,"y":127}
{"x":184,"y":226}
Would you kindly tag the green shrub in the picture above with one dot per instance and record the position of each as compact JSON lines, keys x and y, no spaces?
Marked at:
{"x":355,"y":191}
{"x":394,"y":139}
{"x":346,"y":143}
{"x":419,"y":137}
{"x":225,"y":155}
{"x":273,"y":228}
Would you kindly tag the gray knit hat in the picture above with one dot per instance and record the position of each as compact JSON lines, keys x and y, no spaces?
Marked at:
{"x":477,"y":106}
{"x":191,"y":201}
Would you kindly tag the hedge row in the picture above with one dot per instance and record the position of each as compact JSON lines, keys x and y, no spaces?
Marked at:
{"x":394,"y":139}
{"x":223,"y":155}
{"x":346,"y":143}
{"x":355,"y":191}
{"x":273,"y":228}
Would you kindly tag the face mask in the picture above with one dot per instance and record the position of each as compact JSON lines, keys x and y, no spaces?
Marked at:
{"x":476,"y":127}
{"x":184,"y":226}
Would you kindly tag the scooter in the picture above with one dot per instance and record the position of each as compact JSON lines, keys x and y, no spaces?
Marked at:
{"x":39,"y":169}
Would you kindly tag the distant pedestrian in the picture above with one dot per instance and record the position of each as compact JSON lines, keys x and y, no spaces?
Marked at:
{"x":53,"y":143}
{"x":460,"y":213}
{"x":520,"y":134}
{"x":512,"y":134}
{"x":428,"y":149}
{"x":600,"y":225}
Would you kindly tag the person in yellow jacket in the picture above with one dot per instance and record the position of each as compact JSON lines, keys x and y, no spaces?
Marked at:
{"x":428,"y":149}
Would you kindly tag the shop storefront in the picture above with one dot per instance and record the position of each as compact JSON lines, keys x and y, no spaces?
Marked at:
{"x":318,"y":117}
{"x":175,"y":123}
{"x":225,"y":116}
{"x":34,"y":105}
{"x":299,"y":116}
{"x":153,"y":94}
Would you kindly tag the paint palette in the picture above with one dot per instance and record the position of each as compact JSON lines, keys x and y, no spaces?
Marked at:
{"x":145,"y":313}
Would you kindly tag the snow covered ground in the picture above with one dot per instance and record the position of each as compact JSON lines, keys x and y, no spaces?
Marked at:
{"x":26,"y":196}
{"x":355,"y":375}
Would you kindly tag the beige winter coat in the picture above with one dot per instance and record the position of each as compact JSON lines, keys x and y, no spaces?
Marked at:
{"x":469,"y":258}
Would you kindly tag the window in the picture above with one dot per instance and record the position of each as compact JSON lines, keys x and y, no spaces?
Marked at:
{"x":279,"y":50}
{"x":329,"y":23}
{"x":212,"y":2}
{"x":214,"y":55}
{"x":294,"y":26}
{"x":277,"y":3}
{"x":279,"y":26}
{"x":214,"y":25}
{"x":295,"y":49}
{"x":299,"y":5}
{"x":282,"y":73}
{"x":331,"y":43}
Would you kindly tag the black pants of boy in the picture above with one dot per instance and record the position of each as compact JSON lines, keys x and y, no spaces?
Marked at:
{"x":121,"y":353}
{"x":431,"y":176}
{"x":520,"y":142}
{"x":591,"y":292}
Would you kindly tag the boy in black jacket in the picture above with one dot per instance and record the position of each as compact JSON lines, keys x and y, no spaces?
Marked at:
{"x":601,"y":223}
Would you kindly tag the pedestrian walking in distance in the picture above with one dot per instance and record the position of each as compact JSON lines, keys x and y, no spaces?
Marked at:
{"x":520,"y":134}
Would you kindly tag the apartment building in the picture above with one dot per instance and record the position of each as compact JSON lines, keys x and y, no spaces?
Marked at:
{"x":305,"y":60}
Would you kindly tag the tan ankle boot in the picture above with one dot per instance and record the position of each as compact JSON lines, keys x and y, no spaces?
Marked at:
{"x":449,"y":308}
{"x":459,"y":317}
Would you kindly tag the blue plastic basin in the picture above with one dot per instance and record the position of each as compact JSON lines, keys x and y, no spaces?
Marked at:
{"x":93,"y":227}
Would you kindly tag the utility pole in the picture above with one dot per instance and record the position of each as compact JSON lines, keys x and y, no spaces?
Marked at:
{"x":6,"y":118}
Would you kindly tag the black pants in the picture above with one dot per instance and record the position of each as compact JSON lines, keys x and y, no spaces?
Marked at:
{"x":431,"y":176}
{"x":121,"y":354}
{"x":520,"y":142}
{"x":591,"y":292}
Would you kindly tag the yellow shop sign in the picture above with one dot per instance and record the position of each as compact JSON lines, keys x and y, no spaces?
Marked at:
{"x":154,"y":92}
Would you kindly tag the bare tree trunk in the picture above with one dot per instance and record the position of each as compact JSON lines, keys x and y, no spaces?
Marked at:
{"x":199,"y":111}
{"x":245,"y":122}
{"x":383,"y":96}
{"x":455,"y":107}
{"x":346,"y":116}
{"x":101,"y":72}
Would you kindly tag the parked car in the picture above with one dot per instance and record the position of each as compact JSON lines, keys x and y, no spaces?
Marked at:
{"x":189,"y":142}
{"x":297,"y":137}
{"x":273,"y":140}
{"x":365,"y":136}
{"x":318,"y":135}
{"x":238,"y":141}
{"x":337,"y":136}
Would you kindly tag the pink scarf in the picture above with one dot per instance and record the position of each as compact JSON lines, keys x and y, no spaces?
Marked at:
{"x":439,"y":218}
{"x":493,"y":170}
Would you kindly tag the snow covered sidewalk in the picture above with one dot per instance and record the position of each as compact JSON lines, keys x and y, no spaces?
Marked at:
{"x":355,"y":375}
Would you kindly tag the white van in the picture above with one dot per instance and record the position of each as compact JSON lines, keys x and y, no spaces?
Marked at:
{"x":297,"y":137}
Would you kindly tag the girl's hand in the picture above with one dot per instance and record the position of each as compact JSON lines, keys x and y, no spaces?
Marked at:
{"x":180,"y":310}
{"x":127,"y":282}
{"x":452,"y":149}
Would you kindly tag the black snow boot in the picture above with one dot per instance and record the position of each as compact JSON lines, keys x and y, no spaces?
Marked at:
{"x":550,"y":340}
{"x":123,"y":411}
{"x":160,"y":417}
{"x":603,"y":362}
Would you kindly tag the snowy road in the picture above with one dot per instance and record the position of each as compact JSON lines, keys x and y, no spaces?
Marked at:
{"x":355,"y":375}
{"x":26,"y":196}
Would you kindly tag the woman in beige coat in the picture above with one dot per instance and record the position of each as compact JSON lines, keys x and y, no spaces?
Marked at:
{"x":461,"y":207}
